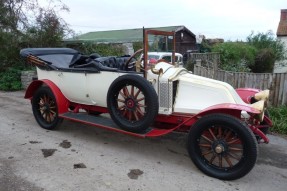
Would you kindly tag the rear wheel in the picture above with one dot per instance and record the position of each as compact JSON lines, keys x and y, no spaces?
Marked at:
{"x":132,"y":103}
{"x":45,"y":108}
{"x":222,"y":146}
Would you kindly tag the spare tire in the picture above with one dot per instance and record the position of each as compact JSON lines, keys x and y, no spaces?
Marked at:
{"x":132,"y":103}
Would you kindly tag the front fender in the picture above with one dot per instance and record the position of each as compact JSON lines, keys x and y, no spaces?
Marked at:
{"x":62,"y":101}
{"x":228,"y":108}
{"x":246,"y":93}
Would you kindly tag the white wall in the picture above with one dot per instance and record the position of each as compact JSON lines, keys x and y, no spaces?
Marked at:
{"x":281,"y":66}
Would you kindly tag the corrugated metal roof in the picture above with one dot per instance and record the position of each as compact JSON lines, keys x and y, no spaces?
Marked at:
{"x":282,"y":27}
{"x":120,"y":36}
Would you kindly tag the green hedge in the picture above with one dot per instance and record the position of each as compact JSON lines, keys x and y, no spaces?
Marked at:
{"x":279,"y":118}
{"x":10,"y":80}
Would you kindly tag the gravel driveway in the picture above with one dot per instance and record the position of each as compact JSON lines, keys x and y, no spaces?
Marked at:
{"x":81,"y":157}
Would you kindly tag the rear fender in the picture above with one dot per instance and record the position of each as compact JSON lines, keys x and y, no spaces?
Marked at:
{"x":246,"y":93}
{"x":62,"y":101}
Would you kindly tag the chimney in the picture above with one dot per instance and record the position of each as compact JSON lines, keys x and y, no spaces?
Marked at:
{"x":282,"y":27}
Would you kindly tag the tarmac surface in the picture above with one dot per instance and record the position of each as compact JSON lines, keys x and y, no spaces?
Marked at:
{"x":81,"y":157}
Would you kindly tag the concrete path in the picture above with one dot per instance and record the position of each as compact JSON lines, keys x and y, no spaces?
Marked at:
{"x":81,"y":157}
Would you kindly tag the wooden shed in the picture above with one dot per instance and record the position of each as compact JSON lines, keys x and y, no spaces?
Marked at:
{"x":185,"y":39}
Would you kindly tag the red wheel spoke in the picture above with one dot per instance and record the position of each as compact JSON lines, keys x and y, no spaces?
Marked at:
{"x":140,"y":111}
{"x":49,"y":118}
{"x":207,"y":152}
{"x":41,"y":102}
{"x":121,"y":107}
{"x":212,"y":158}
{"x":125,"y":112}
{"x":130,"y":115}
{"x":120,"y":100}
{"x":234,"y":156}
{"x":219,"y":132}
{"x":136,"y":95}
{"x":205,"y":145}
{"x":53,"y":112}
{"x":207,"y":139}
{"x":136,"y":116}
{"x":126,"y":91}
{"x":44,"y":99}
{"x":46,"y":116}
{"x":227,"y":135}
{"x":122,"y":94}
{"x":228,"y":161}
{"x":220,"y":161}
{"x":235,"y":149}
{"x":132,"y":90}
{"x":235,"y":141}
{"x":211,"y":133}
{"x":141,"y":105}
{"x":138,"y":100}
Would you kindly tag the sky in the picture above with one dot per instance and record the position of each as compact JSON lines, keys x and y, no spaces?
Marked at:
{"x":227,"y":19}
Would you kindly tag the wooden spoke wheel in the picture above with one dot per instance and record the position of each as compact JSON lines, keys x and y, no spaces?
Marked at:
{"x":45,"y":108}
{"x":222,"y":146}
{"x":132,"y":102}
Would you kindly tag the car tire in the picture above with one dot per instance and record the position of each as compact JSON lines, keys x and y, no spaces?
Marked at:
{"x":45,"y":109}
{"x":132,"y":103}
{"x":222,"y":146}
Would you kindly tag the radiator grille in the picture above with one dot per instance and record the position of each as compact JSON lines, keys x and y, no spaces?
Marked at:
{"x":165,"y":95}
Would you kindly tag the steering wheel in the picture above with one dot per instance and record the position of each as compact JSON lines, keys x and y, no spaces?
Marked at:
{"x":133,"y":61}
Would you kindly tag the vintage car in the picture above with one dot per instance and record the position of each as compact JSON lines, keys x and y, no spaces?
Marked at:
{"x":154,"y":57}
{"x":128,"y":95}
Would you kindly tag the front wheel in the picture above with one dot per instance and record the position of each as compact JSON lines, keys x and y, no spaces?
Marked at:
{"x":132,"y":103}
{"x":45,"y":108}
{"x":222,"y":146}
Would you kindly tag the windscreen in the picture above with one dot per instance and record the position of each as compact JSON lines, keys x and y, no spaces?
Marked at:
{"x":160,"y":43}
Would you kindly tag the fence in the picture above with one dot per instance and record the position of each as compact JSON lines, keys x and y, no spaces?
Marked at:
{"x":276,"y":83}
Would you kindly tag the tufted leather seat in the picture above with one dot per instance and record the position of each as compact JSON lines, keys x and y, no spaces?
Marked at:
{"x":111,"y":62}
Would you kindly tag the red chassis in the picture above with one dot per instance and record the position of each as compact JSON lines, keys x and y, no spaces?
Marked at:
{"x":163,"y":124}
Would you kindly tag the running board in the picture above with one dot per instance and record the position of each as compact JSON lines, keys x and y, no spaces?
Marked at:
{"x":105,"y":122}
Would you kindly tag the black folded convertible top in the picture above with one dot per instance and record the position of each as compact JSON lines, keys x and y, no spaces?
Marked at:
{"x":47,"y":51}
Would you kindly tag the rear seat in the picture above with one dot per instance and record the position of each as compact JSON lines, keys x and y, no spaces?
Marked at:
{"x":112,"y":62}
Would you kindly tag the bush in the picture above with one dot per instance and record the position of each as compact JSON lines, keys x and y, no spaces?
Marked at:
{"x":278,"y":116}
{"x":264,"y":61}
{"x":267,"y":41}
{"x":236,"y":56}
{"x":189,"y":65}
{"x":10,"y":80}
{"x":269,"y":50}
{"x":137,"y":45}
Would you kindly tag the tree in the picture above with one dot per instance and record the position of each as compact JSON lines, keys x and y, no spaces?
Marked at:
{"x":19,"y":29}
{"x":24,"y":23}
{"x":48,"y":31}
